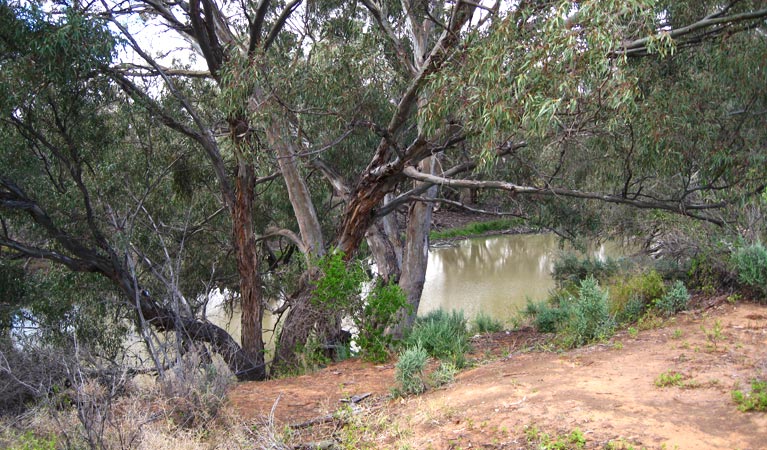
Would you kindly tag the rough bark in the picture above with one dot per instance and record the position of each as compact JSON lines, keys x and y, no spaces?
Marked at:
{"x":246,"y":252}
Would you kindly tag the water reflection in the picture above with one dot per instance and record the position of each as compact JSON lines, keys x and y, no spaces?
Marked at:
{"x":495,"y":274}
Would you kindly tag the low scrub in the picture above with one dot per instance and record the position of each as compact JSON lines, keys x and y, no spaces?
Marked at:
{"x":442,"y":335}
{"x":673,"y":301}
{"x":579,"y":320}
{"x":755,"y":400}
{"x":408,"y":371}
{"x":750,"y":264}
{"x":570,"y":269}
{"x":484,"y":323}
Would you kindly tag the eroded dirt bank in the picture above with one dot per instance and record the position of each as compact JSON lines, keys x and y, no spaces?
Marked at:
{"x":608,"y":391}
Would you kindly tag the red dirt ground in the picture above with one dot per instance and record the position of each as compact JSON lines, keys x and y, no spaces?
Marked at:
{"x":607,"y":391}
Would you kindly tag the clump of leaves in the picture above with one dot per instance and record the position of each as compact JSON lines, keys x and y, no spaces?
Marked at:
{"x":669,"y":379}
{"x":751,"y":266}
{"x":340,"y":290}
{"x":674,"y":300}
{"x":589,"y":319}
{"x":574,"y":440}
{"x":570,"y":269}
{"x":756,"y":400}
{"x":442,"y":335}
{"x":484,"y":323}
{"x":409,"y":371}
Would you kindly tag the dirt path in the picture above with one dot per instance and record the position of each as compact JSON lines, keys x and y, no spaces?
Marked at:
{"x":607,"y":391}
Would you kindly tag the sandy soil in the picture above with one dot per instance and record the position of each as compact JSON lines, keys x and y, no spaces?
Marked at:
{"x":607,"y":391}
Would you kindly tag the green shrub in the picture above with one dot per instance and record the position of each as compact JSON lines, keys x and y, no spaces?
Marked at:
{"x":484,"y":323}
{"x":409,"y":371}
{"x":674,"y":300}
{"x":570,"y":269}
{"x":756,"y":400}
{"x":588,"y":319}
{"x":632,"y":310}
{"x":378,"y":313}
{"x":751,"y":267}
{"x":546,"y":319}
{"x":644,"y":286}
{"x":442,"y":335}
{"x":444,"y":374}
{"x":339,"y":290}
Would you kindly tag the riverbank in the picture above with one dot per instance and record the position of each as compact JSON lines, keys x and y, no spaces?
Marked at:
{"x":520,"y":394}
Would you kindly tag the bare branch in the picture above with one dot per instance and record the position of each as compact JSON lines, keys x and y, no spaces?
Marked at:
{"x":685,"y":209}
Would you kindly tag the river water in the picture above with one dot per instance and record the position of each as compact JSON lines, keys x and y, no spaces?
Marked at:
{"x":494,"y":275}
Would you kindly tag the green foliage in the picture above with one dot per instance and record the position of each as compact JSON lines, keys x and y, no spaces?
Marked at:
{"x":570,"y":269}
{"x":755,"y":400}
{"x":379,"y":312}
{"x":669,"y":379}
{"x":409,"y":371}
{"x":751,"y":266}
{"x":541,"y":440}
{"x":589,"y":317}
{"x":632,"y":311}
{"x":339,"y":289}
{"x":442,"y":335}
{"x":640,"y":288}
{"x":475,"y":229}
{"x":578,"y":320}
{"x":29,"y":441}
{"x":546,"y":319}
{"x":484,"y":323}
{"x":674,"y":300}
{"x":443,"y":374}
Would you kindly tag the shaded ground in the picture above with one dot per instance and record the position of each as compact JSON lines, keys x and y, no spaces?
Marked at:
{"x":608,"y":391}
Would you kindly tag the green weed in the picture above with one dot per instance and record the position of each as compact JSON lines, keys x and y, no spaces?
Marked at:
{"x":669,"y":379}
{"x":409,"y":371}
{"x":484,"y":323}
{"x":442,"y":336}
{"x":755,"y":400}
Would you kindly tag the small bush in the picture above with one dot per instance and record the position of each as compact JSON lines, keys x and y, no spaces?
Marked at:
{"x":442,"y":336}
{"x":444,"y":374}
{"x":751,"y":266}
{"x":197,"y":390}
{"x":409,"y":371}
{"x":756,"y":400}
{"x":545,"y":318}
{"x":570,"y":269}
{"x":589,"y":318}
{"x":674,"y":300}
{"x":484,"y":323}
{"x":669,"y":379}
{"x":632,"y":311}
{"x":378,"y":313}
{"x":644,"y":286}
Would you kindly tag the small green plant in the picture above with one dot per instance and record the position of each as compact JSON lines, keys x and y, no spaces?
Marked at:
{"x":573,"y":440}
{"x":714,"y":335}
{"x":29,"y":441}
{"x":444,"y":374}
{"x":442,"y":335}
{"x":409,"y":371}
{"x":756,"y":400}
{"x":485,"y":323}
{"x":546,"y":319}
{"x":678,"y":333}
{"x":674,"y":300}
{"x":589,"y":319}
{"x":633,"y":332}
{"x":751,"y":266}
{"x":669,"y":379}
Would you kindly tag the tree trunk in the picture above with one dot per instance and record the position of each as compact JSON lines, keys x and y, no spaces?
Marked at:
{"x":416,"y":254}
{"x":246,"y":253}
